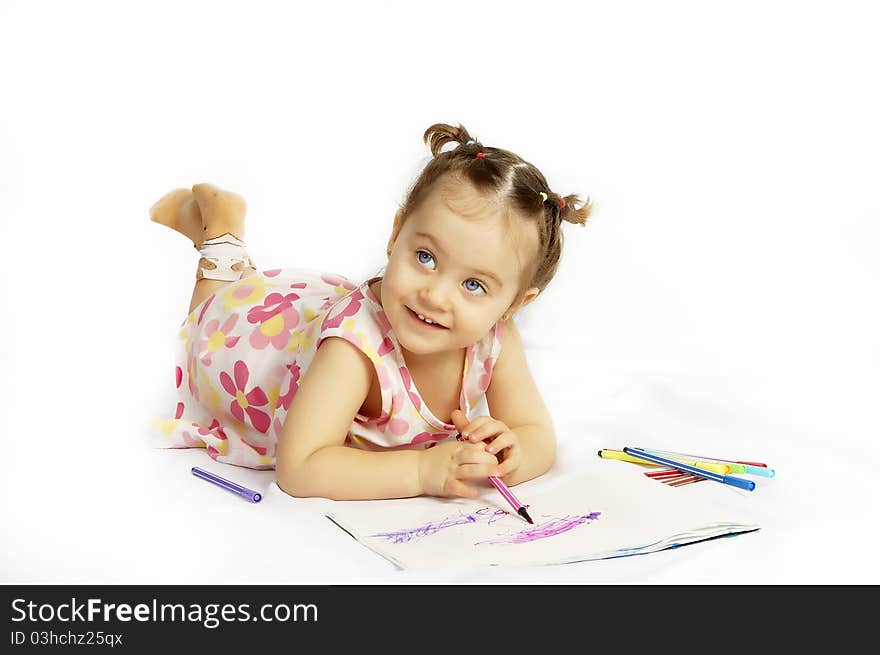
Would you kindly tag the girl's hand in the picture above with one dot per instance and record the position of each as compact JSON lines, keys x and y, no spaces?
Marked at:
{"x":443,"y":468}
{"x":500,"y":439}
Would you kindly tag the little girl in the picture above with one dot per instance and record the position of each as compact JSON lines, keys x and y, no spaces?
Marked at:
{"x":356,"y":391}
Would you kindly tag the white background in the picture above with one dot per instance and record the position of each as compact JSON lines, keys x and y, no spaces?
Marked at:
{"x":723,"y":298}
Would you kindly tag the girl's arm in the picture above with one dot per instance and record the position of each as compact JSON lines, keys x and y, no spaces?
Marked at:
{"x":311,"y":459}
{"x":514,"y":399}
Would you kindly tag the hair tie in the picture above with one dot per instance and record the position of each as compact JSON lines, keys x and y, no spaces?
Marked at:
{"x":481,"y":154}
{"x":470,"y":142}
{"x":543,"y":196}
{"x":562,"y":204}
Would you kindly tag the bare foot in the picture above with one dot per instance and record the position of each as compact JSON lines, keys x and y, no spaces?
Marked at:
{"x":178,"y":210}
{"x":221,"y":211}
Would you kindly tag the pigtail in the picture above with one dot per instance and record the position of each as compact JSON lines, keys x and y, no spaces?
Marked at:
{"x":439,"y":134}
{"x":567,"y":211}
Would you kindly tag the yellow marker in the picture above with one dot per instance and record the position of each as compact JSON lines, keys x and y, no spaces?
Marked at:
{"x":715,"y":467}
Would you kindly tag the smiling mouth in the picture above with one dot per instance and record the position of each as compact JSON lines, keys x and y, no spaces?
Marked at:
{"x":424,"y":320}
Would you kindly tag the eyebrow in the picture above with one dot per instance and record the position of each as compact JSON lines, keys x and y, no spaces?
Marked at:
{"x":437,"y":245}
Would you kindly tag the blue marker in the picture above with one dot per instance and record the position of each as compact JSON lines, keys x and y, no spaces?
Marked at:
{"x":749,"y":469}
{"x":244,"y":492}
{"x":748,"y":485}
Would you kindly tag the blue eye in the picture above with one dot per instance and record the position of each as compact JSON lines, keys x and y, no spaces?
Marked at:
{"x":424,"y":257}
{"x":474,"y":286}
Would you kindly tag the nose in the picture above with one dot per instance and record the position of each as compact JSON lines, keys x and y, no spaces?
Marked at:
{"x":435,"y":296}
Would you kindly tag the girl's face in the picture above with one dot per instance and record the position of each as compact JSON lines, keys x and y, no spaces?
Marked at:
{"x":457,"y":261}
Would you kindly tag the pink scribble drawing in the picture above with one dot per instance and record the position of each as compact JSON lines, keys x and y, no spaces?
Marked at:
{"x":544,"y":530}
{"x":487,"y":515}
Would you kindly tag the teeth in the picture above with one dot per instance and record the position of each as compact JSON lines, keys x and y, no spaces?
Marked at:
{"x":426,"y":320}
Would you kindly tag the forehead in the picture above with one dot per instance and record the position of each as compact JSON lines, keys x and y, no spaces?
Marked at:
{"x":477,"y":226}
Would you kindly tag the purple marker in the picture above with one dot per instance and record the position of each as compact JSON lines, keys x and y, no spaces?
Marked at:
{"x":244,"y":492}
{"x":504,"y":491}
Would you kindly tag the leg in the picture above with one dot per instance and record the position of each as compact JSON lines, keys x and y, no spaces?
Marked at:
{"x":220,"y":212}
{"x":205,"y":287}
{"x":202,"y":289}
{"x":203,"y":213}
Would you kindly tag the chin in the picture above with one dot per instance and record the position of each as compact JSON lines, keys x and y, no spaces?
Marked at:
{"x":418,"y":346}
{"x":412,"y":344}
{"x":419,"y":349}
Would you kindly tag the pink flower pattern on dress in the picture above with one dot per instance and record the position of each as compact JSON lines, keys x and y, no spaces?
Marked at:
{"x":348,"y":306}
{"x":276,"y":331}
{"x":261,"y":450}
{"x":214,"y":430}
{"x":292,"y":311}
{"x":384,"y":323}
{"x":407,"y":382}
{"x":213,"y":437}
{"x":285,"y":400}
{"x":397,"y":426}
{"x":192,"y":372}
{"x":216,"y":337}
{"x":385,"y":347}
{"x":272,"y":305}
{"x":486,"y":376}
{"x":422,"y":437}
{"x":246,"y":402}
{"x":205,"y":306}
{"x":276,"y":317}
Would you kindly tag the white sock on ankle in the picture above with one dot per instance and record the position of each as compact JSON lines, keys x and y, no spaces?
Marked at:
{"x":224,"y":251}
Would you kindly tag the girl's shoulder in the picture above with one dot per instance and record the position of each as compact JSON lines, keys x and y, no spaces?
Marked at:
{"x":357,"y":317}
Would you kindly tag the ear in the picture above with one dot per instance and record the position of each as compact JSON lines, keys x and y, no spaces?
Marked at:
{"x":526,"y":298}
{"x":395,"y":230}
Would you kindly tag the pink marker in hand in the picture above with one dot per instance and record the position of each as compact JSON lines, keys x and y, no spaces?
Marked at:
{"x":504,"y":491}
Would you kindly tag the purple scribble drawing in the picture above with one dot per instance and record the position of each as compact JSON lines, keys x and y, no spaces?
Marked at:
{"x":549,"y":528}
{"x":486,"y":515}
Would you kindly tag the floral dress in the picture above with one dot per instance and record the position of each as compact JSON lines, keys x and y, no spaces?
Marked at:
{"x":243,"y":351}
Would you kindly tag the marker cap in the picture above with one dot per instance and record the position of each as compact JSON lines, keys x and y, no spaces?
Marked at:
{"x":748,"y":485}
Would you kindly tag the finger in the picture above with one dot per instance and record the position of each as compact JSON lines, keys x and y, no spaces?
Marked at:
{"x":482,"y":425}
{"x":502,"y":441}
{"x":476,"y":471}
{"x":465,"y":425}
{"x":459,"y":420}
{"x":474,"y":454}
{"x":458,"y":488}
{"x":470,"y":426}
{"x":511,"y":462}
{"x":486,"y":432}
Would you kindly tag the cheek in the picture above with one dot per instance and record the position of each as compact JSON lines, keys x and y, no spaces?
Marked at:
{"x":392,"y":281}
{"x":394,"y":287}
{"x":481,"y":319}
{"x":403,"y":275}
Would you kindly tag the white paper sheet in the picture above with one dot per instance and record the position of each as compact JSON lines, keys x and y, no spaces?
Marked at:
{"x":603,"y":511}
